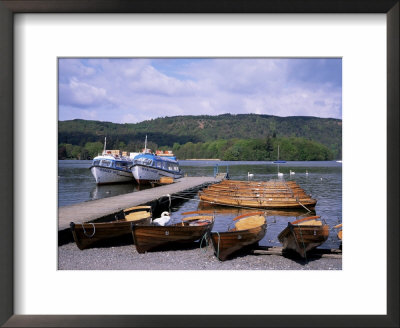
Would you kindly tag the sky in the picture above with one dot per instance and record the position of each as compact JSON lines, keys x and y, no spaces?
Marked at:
{"x":131,"y":90}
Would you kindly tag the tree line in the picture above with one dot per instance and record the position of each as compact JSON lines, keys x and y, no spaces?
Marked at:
{"x":203,"y":129}
{"x":257,"y":149}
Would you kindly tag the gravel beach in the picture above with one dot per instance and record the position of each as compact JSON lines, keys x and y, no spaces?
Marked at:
{"x":125,"y":257}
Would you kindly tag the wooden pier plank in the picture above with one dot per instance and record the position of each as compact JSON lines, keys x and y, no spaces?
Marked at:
{"x":91,"y":210}
{"x":320,"y":253}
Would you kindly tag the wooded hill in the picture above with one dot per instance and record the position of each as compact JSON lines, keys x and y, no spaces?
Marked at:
{"x":224,"y":136}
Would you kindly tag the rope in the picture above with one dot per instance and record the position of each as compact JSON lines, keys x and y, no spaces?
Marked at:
{"x":303,"y":206}
{"x":201,"y":242}
{"x":304,"y":246}
{"x":84,"y":231}
{"x":219,"y":237}
{"x":297,"y":243}
{"x":169,"y":198}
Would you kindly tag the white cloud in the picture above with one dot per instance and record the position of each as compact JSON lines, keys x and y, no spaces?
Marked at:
{"x":132,"y":90}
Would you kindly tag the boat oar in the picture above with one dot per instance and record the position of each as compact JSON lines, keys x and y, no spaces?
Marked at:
{"x":338,"y":226}
{"x":198,"y":212}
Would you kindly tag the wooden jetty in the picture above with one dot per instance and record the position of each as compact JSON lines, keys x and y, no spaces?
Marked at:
{"x":315,"y":253}
{"x":93,"y":210}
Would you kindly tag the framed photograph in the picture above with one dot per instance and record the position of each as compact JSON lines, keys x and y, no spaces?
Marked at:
{"x":45,"y":41}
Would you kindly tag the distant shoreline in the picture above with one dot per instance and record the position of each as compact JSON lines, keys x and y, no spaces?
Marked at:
{"x":202,"y":159}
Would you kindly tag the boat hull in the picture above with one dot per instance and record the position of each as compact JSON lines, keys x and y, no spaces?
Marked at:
{"x":259,"y":202}
{"x":303,"y":238}
{"x":229,"y":242}
{"x":89,"y":234}
{"x":149,"y":237}
{"x":144,"y":174}
{"x":104,"y":175}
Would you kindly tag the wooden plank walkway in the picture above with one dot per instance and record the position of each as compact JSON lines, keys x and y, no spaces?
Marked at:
{"x":315,"y":253}
{"x":92,"y":210}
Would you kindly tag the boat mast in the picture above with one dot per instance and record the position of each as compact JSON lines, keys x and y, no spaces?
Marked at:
{"x":145,"y":145}
{"x":105,"y":143}
{"x":278,"y":152}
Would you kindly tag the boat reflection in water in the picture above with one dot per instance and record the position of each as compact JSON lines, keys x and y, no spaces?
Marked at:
{"x":103,"y":191}
{"x":236,"y":211}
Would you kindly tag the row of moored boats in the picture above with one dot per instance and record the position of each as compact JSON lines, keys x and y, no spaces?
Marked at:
{"x":248,"y":229}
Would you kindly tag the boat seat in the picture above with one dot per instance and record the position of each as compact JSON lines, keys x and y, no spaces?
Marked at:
{"x":198,"y":217}
{"x":136,"y":216}
{"x":311,"y":223}
{"x":250,"y":222}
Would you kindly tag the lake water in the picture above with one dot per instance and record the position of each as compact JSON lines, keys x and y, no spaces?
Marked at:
{"x":323,"y":181}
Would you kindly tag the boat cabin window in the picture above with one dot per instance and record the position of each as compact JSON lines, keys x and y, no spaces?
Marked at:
{"x":96,"y":162}
{"x":122,"y":165}
{"x":144,"y":161}
{"x":106,"y":163}
{"x":159,"y":165}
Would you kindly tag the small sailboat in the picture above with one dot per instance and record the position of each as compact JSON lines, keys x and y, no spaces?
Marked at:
{"x":278,"y":160}
{"x":280,"y":174}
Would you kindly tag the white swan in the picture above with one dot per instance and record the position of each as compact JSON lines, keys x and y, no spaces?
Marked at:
{"x":291,"y":172}
{"x":280,"y":174}
{"x":250,"y":175}
{"x":306,"y":172}
{"x":163,"y":220}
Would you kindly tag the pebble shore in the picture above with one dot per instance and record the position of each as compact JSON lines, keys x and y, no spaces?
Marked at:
{"x":125,"y":257}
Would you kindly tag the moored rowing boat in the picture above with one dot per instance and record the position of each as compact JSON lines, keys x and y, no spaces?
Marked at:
{"x":249,"y":230}
{"x":192,"y":228}
{"x":89,"y":233}
{"x":304,"y":234}
{"x":339,"y":234}
{"x":265,"y":203}
{"x":266,"y":195}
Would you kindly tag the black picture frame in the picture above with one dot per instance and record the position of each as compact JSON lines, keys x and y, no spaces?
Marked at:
{"x":10,"y":7}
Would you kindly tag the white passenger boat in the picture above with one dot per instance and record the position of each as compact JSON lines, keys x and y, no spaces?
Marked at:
{"x":111,"y":167}
{"x":148,"y":167}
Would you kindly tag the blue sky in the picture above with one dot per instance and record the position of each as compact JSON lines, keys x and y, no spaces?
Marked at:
{"x":130,"y":90}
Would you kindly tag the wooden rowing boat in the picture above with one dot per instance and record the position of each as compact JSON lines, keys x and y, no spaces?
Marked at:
{"x":235,"y":211}
{"x":272,"y":184}
{"x":272,"y":194}
{"x":255,"y":188}
{"x":304,"y":234}
{"x":339,"y":234}
{"x":192,"y":228}
{"x":249,"y":230}
{"x":89,"y":233}
{"x":265,"y":202}
{"x":236,"y":193}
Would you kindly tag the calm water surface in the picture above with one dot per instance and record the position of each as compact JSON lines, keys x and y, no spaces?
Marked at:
{"x":324,"y":182}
